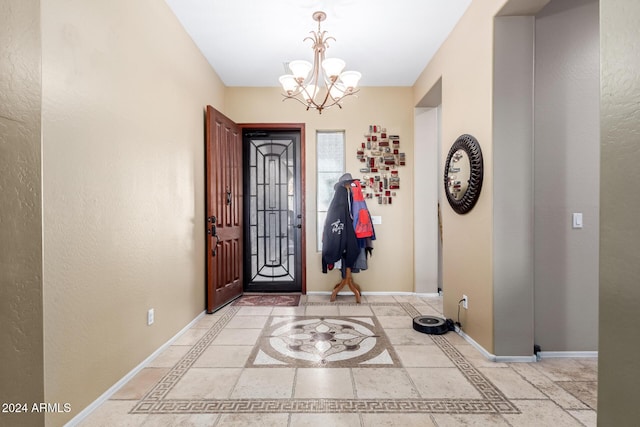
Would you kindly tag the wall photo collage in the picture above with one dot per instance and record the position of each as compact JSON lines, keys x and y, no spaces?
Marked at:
{"x":380,"y":157}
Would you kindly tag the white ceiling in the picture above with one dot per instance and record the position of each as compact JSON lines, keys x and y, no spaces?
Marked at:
{"x":247,"y":42}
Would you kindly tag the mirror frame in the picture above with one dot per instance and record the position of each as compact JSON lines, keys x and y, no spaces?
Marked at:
{"x":469,"y":145}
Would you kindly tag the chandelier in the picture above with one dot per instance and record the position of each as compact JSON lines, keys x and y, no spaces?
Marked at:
{"x":322,"y":84}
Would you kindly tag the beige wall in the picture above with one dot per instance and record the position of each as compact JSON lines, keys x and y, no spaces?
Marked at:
{"x":465,"y":65}
{"x":20,"y":210}
{"x":480,"y":248}
{"x":619,"y":346}
{"x":391,"y":267}
{"x":124,"y":93}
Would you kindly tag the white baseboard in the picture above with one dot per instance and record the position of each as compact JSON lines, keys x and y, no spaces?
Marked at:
{"x":574,"y":354}
{"x":114,"y":388}
{"x":427,"y":295}
{"x":375,"y":293}
{"x":493,"y":357}
{"x":515,"y":359}
{"x":532,"y":358}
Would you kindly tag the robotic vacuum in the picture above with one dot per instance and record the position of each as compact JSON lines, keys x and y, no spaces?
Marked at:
{"x":433,"y":325}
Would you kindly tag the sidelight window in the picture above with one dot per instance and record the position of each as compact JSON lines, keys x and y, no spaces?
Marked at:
{"x":330,"y":158}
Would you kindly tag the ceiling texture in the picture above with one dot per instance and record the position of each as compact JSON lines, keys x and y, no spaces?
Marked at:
{"x":248,"y":42}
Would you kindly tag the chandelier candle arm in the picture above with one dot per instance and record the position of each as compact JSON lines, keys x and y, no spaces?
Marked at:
{"x":309,"y":93}
{"x":322,"y":84}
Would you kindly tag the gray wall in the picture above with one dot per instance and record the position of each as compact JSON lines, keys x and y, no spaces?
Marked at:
{"x":513,"y":186}
{"x":566,"y":175}
{"x":618,"y":367}
{"x":21,"y":334}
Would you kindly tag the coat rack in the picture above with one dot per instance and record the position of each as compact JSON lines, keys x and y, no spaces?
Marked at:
{"x":347,"y":281}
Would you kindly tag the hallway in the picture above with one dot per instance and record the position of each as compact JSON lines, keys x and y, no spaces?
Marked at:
{"x":342,"y":363}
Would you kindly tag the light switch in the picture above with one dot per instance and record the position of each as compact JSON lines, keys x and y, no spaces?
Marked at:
{"x":577,"y":220}
{"x":376,"y":219}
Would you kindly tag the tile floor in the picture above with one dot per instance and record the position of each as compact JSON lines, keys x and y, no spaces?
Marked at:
{"x":344,"y":364}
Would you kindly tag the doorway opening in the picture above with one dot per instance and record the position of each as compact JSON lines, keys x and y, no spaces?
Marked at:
{"x":273,"y":167}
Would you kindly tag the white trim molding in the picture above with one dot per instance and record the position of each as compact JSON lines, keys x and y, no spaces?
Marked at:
{"x":573,"y":354}
{"x":532,"y":358}
{"x":433,"y":295}
{"x":493,"y":357}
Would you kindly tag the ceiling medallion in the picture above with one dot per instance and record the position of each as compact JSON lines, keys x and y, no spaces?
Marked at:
{"x":322,"y":84}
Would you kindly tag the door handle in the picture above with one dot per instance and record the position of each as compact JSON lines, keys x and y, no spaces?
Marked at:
{"x":211,"y":228}
{"x":213,"y":232}
{"x":214,"y":249}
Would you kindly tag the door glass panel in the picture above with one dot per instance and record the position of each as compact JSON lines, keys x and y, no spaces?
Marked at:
{"x":272,"y":210}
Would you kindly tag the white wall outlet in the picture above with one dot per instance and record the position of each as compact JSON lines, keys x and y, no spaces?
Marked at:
{"x":150,"y":317}
{"x":465,"y":301}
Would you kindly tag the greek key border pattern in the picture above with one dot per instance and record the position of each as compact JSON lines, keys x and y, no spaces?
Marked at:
{"x":475,"y":377}
{"x":173,"y":376}
{"x":442,"y":406}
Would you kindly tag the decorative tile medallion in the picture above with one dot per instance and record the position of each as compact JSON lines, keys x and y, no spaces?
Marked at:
{"x":328,"y":341}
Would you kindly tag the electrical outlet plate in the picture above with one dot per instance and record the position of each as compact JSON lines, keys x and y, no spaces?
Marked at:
{"x":150,"y":317}
{"x":465,"y":302}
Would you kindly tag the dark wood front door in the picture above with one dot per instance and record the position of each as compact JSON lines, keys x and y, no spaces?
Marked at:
{"x":224,"y":194}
